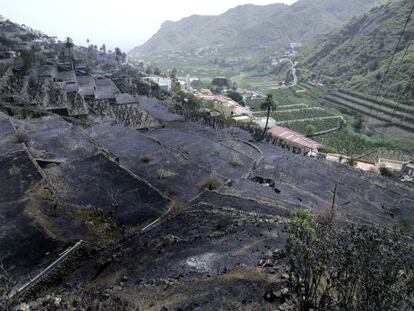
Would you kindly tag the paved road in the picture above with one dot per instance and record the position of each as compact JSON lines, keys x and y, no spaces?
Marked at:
{"x":295,"y":76}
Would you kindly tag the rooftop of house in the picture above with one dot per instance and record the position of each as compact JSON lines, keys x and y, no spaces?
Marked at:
{"x":85,"y":80}
{"x":105,"y":89}
{"x":48,"y":71}
{"x":86,"y":90}
{"x":242,"y":119}
{"x":294,"y":137}
{"x":71,"y":87}
{"x":125,"y":98}
{"x":66,"y":76}
{"x":104,"y":83}
{"x":410,"y":164}
{"x":105,"y":93}
{"x":262,"y":122}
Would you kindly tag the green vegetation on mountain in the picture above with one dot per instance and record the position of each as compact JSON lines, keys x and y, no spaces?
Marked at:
{"x":359,"y":54}
{"x":204,"y":35}
{"x":241,"y":35}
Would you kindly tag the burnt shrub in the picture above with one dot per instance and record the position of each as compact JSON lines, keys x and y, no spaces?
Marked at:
{"x":212,"y":183}
{"x":348,"y":268}
{"x":385,"y":171}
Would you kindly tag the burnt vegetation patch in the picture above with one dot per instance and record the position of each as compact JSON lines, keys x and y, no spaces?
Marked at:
{"x":212,"y":183}
{"x":267,"y":182}
{"x":351,"y":267}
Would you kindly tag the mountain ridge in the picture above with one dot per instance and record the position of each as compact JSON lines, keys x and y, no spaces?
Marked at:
{"x":360,"y":52}
{"x":250,"y":30}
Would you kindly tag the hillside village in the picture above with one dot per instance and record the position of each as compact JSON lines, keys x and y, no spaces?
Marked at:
{"x":217,"y":105}
{"x":127,"y":187}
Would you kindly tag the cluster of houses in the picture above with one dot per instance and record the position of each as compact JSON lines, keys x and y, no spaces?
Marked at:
{"x":164,"y":83}
{"x":226,"y":106}
{"x":17,"y":39}
{"x":75,"y":82}
{"x":301,"y":144}
{"x":94,"y":86}
{"x":68,"y":78}
{"x":296,"y":142}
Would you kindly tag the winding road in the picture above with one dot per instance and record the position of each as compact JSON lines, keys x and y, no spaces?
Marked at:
{"x":295,"y":76}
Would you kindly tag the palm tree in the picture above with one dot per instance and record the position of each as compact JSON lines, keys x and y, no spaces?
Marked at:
{"x":268,"y":105}
{"x":118,"y":54}
{"x":69,"y":46}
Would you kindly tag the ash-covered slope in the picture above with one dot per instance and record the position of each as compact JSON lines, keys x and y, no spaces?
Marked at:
{"x":216,"y":249}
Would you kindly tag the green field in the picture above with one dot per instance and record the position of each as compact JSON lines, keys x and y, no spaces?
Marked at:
{"x":347,"y":140}
{"x":298,"y":114}
{"x":354,"y":144}
{"x":293,"y":107}
{"x":319,"y":125}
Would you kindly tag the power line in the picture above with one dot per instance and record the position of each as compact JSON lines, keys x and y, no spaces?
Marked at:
{"x":399,"y":101}
{"x":401,"y":61}
{"x":395,"y":49}
{"x":381,"y":99}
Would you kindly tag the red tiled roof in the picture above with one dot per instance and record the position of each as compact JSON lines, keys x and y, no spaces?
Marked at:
{"x":291,"y":136}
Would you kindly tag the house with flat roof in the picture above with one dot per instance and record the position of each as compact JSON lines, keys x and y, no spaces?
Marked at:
{"x":48,"y":72}
{"x":71,"y":87}
{"x":164,"y":83}
{"x":242,"y":119}
{"x":86,"y":85}
{"x":105,"y":89}
{"x":125,"y":99}
{"x":408,"y":169}
{"x":261,"y":122}
{"x":293,"y":141}
{"x":393,"y":165}
{"x":66,"y":76}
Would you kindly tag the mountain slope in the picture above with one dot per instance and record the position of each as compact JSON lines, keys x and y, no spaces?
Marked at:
{"x":360,"y":52}
{"x":304,"y":21}
{"x":250,"y":29}
{"x":196,"y":32}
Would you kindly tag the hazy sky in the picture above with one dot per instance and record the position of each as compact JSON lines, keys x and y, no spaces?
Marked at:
{"x":123,"y":23}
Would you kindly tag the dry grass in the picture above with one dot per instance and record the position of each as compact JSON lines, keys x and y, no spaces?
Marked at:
{"x":133,"y":230}
{"x":175,"y":206}
{"x":14,"y":170}
{"x":163,"y":174}
{"x":146,"y":158}
{"x":236,"y":161}
{"x":20,"y":137}
{"x":212,"y":183}
{"x":326,"y":216}
{"x":104,"y":227}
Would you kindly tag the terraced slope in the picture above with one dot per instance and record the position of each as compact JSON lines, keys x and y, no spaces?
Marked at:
{"x":381,"y":102}
{"x":220,"y":250}
{"x":58,"y":187}
{"x":349,"y":101}
{"x":23,"y":243}
{"x":175,"y":161}
{"x":360,"y":53}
